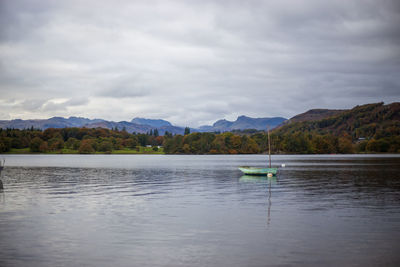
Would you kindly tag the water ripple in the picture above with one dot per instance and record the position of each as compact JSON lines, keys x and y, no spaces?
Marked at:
{"x":199,"y":210}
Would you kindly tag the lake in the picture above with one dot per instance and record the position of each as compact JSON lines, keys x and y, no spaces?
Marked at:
{"x":184,"y":210}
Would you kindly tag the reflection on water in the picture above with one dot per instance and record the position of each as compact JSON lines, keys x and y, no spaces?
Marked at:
{"x":258,"y":179}
{"x":141,"y":210}
{"x":262,"y":180}
{"x":1,"y":183}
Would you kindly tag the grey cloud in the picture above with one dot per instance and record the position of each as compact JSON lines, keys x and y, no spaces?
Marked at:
{"x":125,"y":86}
{"x":123,"y":92}
{"x":20,"y":19}
{"x":53,"y":107}
{"x":194,"y":62}
{"x":46,"y":105}
{"x":32,"y":104}
{"x":62,"y":107}
{"x":77,"y":101}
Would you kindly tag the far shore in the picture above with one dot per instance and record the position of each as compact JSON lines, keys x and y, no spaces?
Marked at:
{"x":150,"y":151}
{"x":140,"y":150}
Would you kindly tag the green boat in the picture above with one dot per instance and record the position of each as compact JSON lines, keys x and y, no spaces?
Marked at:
{"x":269,"y":171}
{"x":258,"y":170}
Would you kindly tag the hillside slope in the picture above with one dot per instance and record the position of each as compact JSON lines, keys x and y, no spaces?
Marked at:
{"x":371,"y":127}
{"x":314,"y":114}
{"x":366,"y":121}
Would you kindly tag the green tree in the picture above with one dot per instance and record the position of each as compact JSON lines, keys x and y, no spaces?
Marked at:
{"x":72,"y":143}
{"x":5,"y":144}
{"x":143,"y":139}
{"x":187,"y":131}
{"x":380,"y":145}
{"x":105,"y":146}
{"x":345,"y":146}
{"x":34,"y":146}
{"x":168,"y":134}
{"x":56,"y":143}
{"x":130,"y":143}
{"x":186,"y":148}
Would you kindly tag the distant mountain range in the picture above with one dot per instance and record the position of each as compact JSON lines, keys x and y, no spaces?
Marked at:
{"x":142,"y":125}
{"x":242,"y":123}
{"x":151,"y":122}
{"x":59,"y":122}
{"x":54,"y":122}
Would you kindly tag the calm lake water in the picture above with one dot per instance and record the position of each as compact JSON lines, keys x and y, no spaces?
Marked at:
{"x":166,"y":210}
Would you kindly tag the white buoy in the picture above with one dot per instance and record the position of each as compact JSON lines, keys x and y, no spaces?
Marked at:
{"x":269,"y":174}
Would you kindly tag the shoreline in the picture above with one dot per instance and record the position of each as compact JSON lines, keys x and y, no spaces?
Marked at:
{"x":128,"y":152}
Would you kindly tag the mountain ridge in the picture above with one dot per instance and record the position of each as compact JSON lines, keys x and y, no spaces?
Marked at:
{"x":142,"y":125}
{"x":244,"y":122}
{"x":314,"y":114}
{"x":335,"y":120}
{"x":151,"y":122}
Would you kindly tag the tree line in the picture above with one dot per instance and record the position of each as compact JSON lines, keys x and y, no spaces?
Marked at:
{"x":292,"y":143}
{"x":82,"y":140}
{"x":295,"y":139}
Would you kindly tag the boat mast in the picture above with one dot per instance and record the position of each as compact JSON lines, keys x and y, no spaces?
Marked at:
{"x":269,"y":147}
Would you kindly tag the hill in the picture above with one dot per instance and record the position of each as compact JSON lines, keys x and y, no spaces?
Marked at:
{"x":142,"y":125}
{"x":372,"y":127}
{"x":365,"y":121}
{"x":314,"y":114}
{"x":151,"y":122}
{"x":243,"y":123}
{"x":54,"y":122}
{"x":60,"y":122}
{"x":134,"y":127}
{"x":128,"y":126}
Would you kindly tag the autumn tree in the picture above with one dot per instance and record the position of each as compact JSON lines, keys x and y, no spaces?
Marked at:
{"x":43,"y":147}
{"x":86,"y":147}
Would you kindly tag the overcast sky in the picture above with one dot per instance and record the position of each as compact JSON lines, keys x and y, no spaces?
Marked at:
{"x":193,"y":62}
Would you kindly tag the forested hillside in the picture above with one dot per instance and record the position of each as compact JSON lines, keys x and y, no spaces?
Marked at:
{"x":314,"y":115}
{"x":366,"y":128}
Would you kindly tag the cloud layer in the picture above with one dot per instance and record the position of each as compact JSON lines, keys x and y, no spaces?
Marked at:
{"x":192,"y":62}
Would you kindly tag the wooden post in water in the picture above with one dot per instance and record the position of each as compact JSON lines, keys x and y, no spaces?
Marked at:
{"x":269,"y":147}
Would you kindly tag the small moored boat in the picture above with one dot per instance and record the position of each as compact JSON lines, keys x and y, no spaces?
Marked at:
{"x":257,"y":170}
{"x":260,"y":170}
